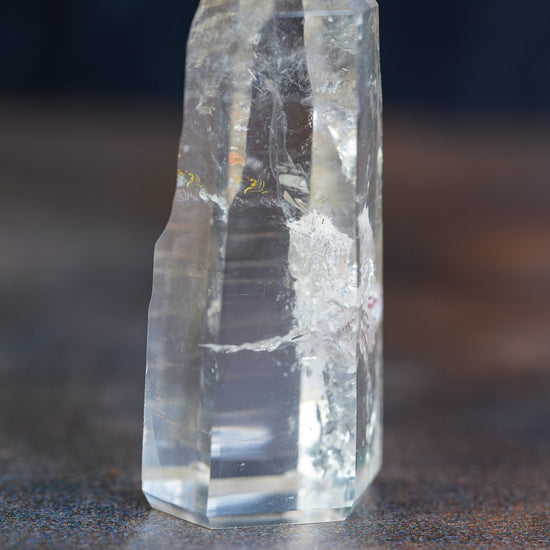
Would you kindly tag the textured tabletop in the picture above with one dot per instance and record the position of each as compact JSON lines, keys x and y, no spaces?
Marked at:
{"x":86,"y":189}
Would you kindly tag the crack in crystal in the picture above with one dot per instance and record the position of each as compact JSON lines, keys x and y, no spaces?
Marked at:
{"x":268,"y":344}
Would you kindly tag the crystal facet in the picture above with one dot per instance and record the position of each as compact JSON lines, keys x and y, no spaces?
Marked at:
{"x":263,"y":391}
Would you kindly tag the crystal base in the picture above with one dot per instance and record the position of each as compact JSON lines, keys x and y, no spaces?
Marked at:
{"x":250,"y":520}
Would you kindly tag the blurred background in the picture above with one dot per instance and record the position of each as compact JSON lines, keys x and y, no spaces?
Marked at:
{"x":485,"y":55}
{"x":90,"y":115}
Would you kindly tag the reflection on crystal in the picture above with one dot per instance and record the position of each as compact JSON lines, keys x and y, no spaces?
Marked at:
{"x":263,"y":394}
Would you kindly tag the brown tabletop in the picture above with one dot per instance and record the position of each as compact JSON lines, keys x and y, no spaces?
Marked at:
{"x":86,"y":189}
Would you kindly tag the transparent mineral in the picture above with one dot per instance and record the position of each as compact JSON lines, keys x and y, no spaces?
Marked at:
{"x":263,"y":391}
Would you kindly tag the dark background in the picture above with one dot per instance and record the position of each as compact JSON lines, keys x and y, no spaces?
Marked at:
{"x":90,"y":116}
{"x":483,"y":55}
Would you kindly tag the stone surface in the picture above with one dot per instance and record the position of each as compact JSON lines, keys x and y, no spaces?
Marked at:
{"x":263,"y":393}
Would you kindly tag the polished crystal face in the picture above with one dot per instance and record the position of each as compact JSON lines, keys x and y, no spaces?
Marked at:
{"x":263,"y":391}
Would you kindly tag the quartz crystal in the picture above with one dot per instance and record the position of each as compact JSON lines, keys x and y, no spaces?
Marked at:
{"x":263,"y":390}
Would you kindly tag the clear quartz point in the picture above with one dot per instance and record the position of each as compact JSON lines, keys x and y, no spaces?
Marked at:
{"x":263,"y":389}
